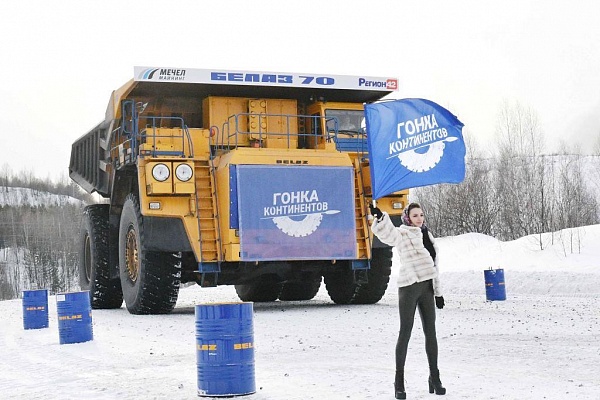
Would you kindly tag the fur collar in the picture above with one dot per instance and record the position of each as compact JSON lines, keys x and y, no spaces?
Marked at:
{"x":412,"y":231}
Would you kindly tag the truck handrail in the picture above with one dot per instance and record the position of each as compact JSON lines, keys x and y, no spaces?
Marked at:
{"x":231,"y":133}
{"x":185,"y":136}
{"x":125,"y":145}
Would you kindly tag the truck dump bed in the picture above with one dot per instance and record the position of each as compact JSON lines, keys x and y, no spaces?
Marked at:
{"x":88,"y":165}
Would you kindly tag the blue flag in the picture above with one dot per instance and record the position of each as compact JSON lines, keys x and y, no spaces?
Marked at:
{"x":412,"y":143}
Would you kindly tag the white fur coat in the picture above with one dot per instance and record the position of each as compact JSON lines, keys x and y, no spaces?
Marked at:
{"x":416,"y":262}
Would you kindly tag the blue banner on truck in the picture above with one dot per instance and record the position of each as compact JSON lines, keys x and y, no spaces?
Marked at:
{"x":296,"y":213}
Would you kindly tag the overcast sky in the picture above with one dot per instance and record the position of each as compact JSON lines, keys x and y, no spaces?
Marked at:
{"x":60,"y":60}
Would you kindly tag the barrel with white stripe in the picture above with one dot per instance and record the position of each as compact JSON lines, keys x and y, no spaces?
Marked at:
{"x":74,"y":317}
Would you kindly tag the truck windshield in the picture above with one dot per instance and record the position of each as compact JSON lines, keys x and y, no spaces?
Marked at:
{"x":349,"y":122}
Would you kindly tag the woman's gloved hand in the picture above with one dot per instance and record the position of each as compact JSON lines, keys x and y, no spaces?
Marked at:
{"x":375,"y":212}
{"x":439,"y":302}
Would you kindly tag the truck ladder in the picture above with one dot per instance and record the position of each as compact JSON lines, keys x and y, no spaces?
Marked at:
{"x":362,"y":228}
{"x":207,"y":215}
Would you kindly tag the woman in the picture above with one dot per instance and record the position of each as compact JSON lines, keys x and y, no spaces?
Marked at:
{"x":418,"y":286}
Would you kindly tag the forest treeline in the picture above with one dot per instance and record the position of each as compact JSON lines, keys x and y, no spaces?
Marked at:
{"x":517,"y":189}
{"x":514,"y":196}
{"x":39,"y":243}
{"x":27,"y":179}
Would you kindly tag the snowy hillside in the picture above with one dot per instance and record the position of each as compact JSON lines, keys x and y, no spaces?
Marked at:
{"x":543,"y":342}
{"x":11,"y":196}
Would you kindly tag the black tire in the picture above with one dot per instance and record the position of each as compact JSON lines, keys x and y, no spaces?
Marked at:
{"x":150,"y":279}
{"x":340,"y":284}
{"x":300,"y":291}
{"x":378,"y":277}
{"x":94,"y":271}
{"x":262,"y":290}
{"x":344,"y":289}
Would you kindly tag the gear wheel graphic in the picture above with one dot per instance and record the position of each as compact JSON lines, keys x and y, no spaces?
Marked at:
{"x":302,"y":228}
{"x":418,"y":162}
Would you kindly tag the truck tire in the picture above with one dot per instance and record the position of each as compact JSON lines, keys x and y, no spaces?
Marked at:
{"x":263,"y":289}
{"x":378,"y":277}
{"x":94,"y":272}
{"x":340,"y":284}
{"x":149,"y":279}
{"x":299,"y":291}
{"x":343,"y":289}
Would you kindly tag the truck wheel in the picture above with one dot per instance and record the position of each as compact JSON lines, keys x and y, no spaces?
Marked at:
{"x":378,"y":277}
{"x":150,"y":279}
{"x":94,"y":271}
{"x":298,"y":291}
{"x":262,"y":290}
{"x":343,"y":289}
{"x":340,"y":284}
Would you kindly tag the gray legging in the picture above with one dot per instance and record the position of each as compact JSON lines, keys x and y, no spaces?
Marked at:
{"x":409,"y":297}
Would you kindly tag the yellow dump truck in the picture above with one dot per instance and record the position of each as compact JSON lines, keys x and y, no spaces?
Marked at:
{"x":254,"y":179}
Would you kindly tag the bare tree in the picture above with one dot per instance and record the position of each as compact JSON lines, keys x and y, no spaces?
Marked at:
{"x":576,"y":205}
{"x":437,"y":202}
{"x":521,"y":176}
{"x":597,"y":145}
{"x":468,"y":206}
{"x":5,"y":176}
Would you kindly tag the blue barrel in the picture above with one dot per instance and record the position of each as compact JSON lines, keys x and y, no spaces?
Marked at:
{"x":225,"y":349}
{"x":74,"y":317}
{"x":35,"y":309}
{"x":495,"y":289}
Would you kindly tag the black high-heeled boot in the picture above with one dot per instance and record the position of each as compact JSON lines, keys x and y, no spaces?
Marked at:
{"x":435,"y":384}
{"x":399,"y":386}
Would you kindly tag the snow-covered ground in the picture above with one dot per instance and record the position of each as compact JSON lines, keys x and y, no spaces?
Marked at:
{"x":543,"y":342}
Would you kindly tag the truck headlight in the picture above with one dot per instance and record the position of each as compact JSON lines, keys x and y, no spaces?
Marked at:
{"x":183,"y":172}
{"x":161,"y":172}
